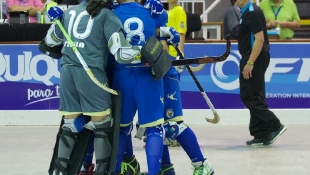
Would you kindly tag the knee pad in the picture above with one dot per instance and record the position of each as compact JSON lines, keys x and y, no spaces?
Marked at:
{"x":105,"y":123}
{"x":77,"y":145}
{"x":75,"y":125}
{"x":155,"y":131}
{"x":127,"y":129}
{"x":174,"y":129}
{"x":102,"y":128}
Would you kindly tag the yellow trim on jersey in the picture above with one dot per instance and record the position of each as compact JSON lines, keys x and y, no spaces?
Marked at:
{"x":69,"y":113}
{"x":175,"y":119}
{"x":156,"y":123}
{"x":95,"y":114}
{"x":124,"y":125}
{"x":178,"y":20}
{"x":98,"y":114}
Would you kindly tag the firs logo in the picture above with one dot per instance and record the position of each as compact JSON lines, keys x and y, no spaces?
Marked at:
{"x":297,"y":69}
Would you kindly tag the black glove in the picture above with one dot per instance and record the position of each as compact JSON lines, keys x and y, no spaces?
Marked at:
{"x":54,"y":52}
{"x":94,"y":7}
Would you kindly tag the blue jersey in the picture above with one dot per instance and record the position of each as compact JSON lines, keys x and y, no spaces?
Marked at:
{"x":162,"y":19}
{"x":138,"y":24}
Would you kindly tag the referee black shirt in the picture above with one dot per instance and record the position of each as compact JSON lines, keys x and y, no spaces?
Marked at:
{"x":252,"y":21}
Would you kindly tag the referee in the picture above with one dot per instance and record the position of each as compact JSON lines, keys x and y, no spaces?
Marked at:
{"x":253,"y":45}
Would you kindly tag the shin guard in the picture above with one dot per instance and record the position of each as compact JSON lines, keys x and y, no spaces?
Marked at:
{"x":79,"y":150}
{"x":55,"y":152}
{"x":75,"y":161}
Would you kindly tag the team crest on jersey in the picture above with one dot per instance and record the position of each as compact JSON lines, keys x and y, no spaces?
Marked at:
{"x":169,"y":113}
{"x":182,"y":25}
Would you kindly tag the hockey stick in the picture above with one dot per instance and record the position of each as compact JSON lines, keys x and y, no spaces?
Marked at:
{"x":86,"y":68}
{"x":216,"y":118}
{"x":114,"y":135}
{"x":206,"y":59}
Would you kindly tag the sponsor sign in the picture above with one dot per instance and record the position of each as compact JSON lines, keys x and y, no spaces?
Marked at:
{"x":29,"y":80}
{"x":287,"y":77}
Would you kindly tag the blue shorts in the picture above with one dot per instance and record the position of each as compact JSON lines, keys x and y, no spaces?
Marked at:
{"x":173,"y":103}
{"x":140,"y":92}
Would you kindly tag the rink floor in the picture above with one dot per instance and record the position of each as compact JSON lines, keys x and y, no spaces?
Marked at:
{"x":27,"y":150}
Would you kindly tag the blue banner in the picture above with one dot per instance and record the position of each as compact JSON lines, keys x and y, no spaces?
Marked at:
{"x":287,"y":77}
{"x":29,"y":80}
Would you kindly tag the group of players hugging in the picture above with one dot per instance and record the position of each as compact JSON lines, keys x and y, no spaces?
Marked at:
{"x":128,"y":46}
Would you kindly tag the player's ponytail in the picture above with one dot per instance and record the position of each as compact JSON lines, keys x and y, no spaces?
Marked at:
{"x":94,"y":6}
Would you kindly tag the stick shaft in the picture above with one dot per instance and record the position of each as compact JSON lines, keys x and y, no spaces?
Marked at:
{"x":79,"y":56}
{"x":203,"y":93}
{"x":205,"y":59}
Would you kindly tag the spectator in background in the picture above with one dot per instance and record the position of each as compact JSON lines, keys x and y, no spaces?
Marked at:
{"x":282,"y":14}
{"x":32,"y":6}
{"x":231,"y":21}
{"x":47,"y":5}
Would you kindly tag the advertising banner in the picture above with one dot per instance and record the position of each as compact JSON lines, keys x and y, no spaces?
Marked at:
{"x":287,"y":77}
{"x":29,"y":80}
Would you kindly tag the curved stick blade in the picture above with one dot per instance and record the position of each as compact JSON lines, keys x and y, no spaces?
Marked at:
{"x":214,"y":120}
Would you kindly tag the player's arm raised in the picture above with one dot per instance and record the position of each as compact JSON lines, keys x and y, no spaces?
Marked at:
{"x":54,"y":38}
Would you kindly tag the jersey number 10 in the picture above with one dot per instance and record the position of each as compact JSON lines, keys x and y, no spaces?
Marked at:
{"x":74,"y":24}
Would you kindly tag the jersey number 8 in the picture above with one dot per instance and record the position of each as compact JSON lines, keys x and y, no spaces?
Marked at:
{"x":132,"y":34}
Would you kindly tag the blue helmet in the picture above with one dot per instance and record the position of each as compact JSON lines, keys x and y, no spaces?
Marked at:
{"x":114,"y":5}
{"x":156,"y":7}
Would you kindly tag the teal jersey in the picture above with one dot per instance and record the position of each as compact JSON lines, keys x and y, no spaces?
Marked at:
{"x":90,"y":36}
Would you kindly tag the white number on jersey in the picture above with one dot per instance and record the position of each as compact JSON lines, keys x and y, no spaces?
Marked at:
{"x":74,"y":25}
{"x":136,"y":32}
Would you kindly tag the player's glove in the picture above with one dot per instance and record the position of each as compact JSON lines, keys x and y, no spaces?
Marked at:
{"x":156,"y":7}
{"x":172,"y":34}
{"x":54,"y":13}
